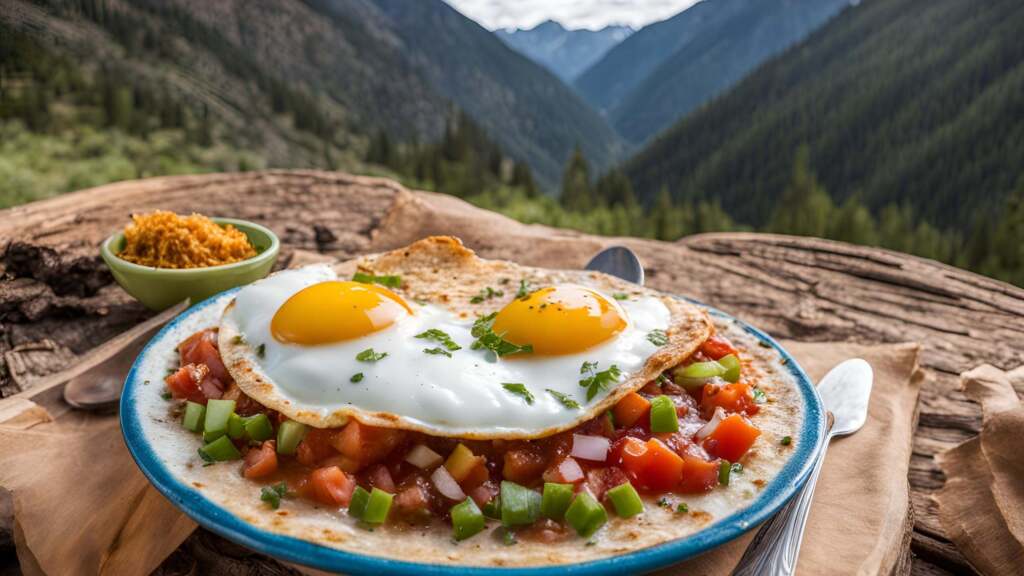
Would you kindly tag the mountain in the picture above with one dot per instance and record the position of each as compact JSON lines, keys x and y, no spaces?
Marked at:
{"x":301,"y":83}
{"x":567,"y":53}
{"x":667,"y":69}
{"x":918,"y":103}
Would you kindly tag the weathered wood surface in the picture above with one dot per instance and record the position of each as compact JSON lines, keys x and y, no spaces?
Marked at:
{"x":57,"y":300}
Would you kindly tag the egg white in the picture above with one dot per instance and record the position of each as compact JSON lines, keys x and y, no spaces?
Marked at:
{"x":462,"y":394}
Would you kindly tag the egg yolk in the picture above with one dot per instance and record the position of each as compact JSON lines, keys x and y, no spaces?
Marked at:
{"x":336,"y":310}
{"x":559,"y":320}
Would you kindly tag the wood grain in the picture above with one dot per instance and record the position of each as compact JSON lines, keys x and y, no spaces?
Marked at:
{"x":57,"y":300}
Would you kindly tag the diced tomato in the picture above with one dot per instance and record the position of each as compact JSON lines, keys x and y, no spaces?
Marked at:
{"x":717,"y":347}
{"x":699,"y":475}
{"x":523,"y":465}
{"x":206,"y":353}
{"x":331,"y":486}
{"x":346,"y":464}
{"x":650,"y":465}
{"x":186,"y":348}
{"x":477,"y":475}
{"x":315,"y":446}
{"x":211,"y":387}
{"x":483,"y":493}
{"x":565,"y":471}
{"x":630,"y":409}
{"x":601,"y":480}
{"x":184,"y":383}
{"x":261,"y":462}
{"x":380,"y":477}
{"x":244,"y":406}
{"x":733,"y":398}
{"x":412,"y":500}
{"x":366,"y":444}
{"x":732,"y":438}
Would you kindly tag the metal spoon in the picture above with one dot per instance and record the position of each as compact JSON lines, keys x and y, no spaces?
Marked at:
{"x":620,"y":262}
{"x":845,"y":391}
{"x":98,"y":386}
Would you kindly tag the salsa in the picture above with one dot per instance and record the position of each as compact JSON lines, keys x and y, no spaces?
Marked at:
{"x":680,"y":434}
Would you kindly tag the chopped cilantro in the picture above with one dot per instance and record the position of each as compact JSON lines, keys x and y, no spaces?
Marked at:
{"x":238,"y":339}
{"x":272,"y":494}
{"x":786,"y":440}
{"x":682,"y":508}
{"x":737,"y":468}
{"x":663,"y":502}
{"x":519,"y":390}
{"x":357,"y":377}
{"x":441,"y":337}
{"x":437,"y":351}
{"x":508,"y":537}
{"x":486,"y":294}
{"x":564,"y":399}
{"x":524,"y":290}
{"x":261,"y":350}
{"x":662,"y":379}
{"x":496,"y":346}
{"x":759,"y":396}
{"x":388,"y":281}
{"x":595,"y":381}
{"x":657,"y":337}
{"x":620,"y":296}
{"x":166,"y":395}
{"x":369,"y":355}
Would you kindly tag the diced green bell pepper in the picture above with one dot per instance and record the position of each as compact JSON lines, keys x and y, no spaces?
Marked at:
{"x":289,"y":434}
{"x":193,"y":417}
{"x":555,"y":500}
{"x":377,"y":507}
{"x":467,"y":519}
{"x":697,"y":374}
{"x":519,"y":505}
{"x":626,"y":500}
{"x":258,"y":427}
{"x":215,"y":424}
{"x":586,"y":515}
{"x":236,"y":427}
{"x":221,"y":449}
{"x":724,"y":471}
{"x":663,"y":415}
{"x":732,"y":368}
{"x":357,"y":506}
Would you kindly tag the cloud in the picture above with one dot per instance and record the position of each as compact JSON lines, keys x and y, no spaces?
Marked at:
{"x":591,"y":14}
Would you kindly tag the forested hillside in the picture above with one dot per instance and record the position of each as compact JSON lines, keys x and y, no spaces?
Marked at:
{"x":669,"y":68}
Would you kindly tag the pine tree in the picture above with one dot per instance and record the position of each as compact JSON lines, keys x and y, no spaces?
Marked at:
{"x":854,"y":223}
{"x":805,"y":208}
{"x":576,"y":194}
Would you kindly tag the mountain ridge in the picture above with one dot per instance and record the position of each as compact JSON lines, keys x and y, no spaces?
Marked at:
{"x":566,"y":52}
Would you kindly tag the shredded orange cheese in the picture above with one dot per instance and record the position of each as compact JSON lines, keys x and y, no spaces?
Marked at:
{"x":166,"y":240}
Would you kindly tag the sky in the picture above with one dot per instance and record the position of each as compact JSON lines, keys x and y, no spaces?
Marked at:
{"x":593,"y":14}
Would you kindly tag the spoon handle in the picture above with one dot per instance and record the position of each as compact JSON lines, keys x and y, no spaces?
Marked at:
{"x":776,"y":546}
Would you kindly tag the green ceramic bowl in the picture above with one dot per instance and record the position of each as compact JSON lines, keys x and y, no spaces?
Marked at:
{"x":160,"y":288}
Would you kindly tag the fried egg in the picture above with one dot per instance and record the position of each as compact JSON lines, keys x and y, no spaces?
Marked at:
{"x":322,"y":349}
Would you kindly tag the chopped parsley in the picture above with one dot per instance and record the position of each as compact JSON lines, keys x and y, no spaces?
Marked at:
{"x":441,"y":337}
{"x":437,"y":351}
{"x":620,"y":296}
{"x":166,"y":395}
{"x":595,"y":381}
{"x":261,"y":350}
{"x":508,"y":537}
{"x":657,"y":337}
{"x":524,"y":290}
{"x":663,"y":502}
{"x":786,"y":440}
{"x":272,"y":494}
{"x":662,"y":379}
{"x":357,"y":377}
{"x":682,"y":508}
{"x":238,"y":339}
{"x":737,"y":468}
{"x":519,"y":390}
{"x":563,"y":398}
{"x":387,"y":281}
{"x":496,"y":346}
{"x":759,"y":396}
{"x":369,"y":355}
{"x":486,"y":294}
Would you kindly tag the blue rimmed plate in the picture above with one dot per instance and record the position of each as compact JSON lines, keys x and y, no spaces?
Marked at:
{"x":222,"y":521}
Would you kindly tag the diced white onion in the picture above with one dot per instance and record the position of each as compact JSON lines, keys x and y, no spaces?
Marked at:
{"x":590,"y":447}
{"x":422,"y":457}
{"x":710,"y":427}
{"x":570,"y":470}
{"x":447,"y":485}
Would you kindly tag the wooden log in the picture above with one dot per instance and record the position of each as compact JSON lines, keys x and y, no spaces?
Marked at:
{"x":57,"y":299}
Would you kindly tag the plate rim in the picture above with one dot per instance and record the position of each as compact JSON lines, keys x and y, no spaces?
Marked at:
{"x":219,"y":520}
